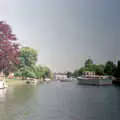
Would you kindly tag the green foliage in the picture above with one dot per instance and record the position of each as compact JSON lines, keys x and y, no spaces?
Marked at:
{"x":28,"y":67}
{"x":47,"y":72}
{"x":89,"y":66}
{"x":88,"y":63}
{"x":35,"y":71}
{"x":18,"y":73}
{"x":38,"y":70}
{"x":99,"y":70}
{"x":28,"y":72}
{"x":28,"y":57}
{"x":117,"y":71}
{"x":82,"y":70}
{"x":110,"y":68}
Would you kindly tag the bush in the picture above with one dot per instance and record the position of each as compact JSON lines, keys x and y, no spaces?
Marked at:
{"x":27,"y":72}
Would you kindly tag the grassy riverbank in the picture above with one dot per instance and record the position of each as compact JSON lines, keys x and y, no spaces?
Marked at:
{"x":11,"y":82}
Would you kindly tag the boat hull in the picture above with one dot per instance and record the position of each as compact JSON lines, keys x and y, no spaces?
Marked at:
{"x":101,"y":82}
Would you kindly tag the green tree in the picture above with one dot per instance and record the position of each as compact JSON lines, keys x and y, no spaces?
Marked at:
{"x":88,"y":62}
{"x":117,"y":71}
{"x":82,"y":70}
{"x":28,"y":57}
{"x":109,"y":68}
{"x":91,"y":67}
{"x":47,"y":72}
{"x":38,"y":70}
{"x":18,"y":73}
{"x":99,"y":70}
{"x":27,"y":72}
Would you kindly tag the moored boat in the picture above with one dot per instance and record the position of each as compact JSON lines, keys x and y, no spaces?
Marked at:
{"x":92,"y":79}
{"x":47,"y":79}
{"x":32,"y":81}
{"x":3,"y":84}
{"x":95,"y":80}
{"x":66,"y":80}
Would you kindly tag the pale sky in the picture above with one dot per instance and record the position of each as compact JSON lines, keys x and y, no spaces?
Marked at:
{"x":66,"y":32}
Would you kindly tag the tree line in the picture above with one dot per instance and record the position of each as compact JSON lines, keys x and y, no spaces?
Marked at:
{"x":28,"y":67}
{"x":20,"y":60}
{"x":109,"y":68}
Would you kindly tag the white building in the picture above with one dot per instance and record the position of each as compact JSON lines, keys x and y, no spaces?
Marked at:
{"x":60,"y":76}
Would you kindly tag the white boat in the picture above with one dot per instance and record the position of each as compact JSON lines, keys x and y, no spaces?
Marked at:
{"x":32,"y":81}
{"x":95,"y":80}
{"x":66,"y":80}
{"x":3,"y":84}
{"x":47,"y":79}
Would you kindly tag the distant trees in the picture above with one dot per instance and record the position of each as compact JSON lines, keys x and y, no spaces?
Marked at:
{"x":28,"y":57}
{"x":117,"y":71}
{"x":38,"y":70}
{"x":47,"y":73}
{"x":28,"y":68}
{"x":88,"y":63}
{"x":27,"y":72}
{"x":99,"y":70}
{"x":108,"y":69}
{"x":20,"y":61}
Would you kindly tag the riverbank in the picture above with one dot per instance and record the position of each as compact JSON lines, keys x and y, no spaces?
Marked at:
{"x":11,"y":82}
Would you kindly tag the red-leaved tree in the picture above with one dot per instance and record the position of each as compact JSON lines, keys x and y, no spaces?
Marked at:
{"x":9,"y":48}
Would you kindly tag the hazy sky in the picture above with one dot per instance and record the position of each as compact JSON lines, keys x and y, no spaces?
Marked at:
{"x":66,"y":32}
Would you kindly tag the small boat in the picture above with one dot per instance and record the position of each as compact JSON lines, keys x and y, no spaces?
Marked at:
{"x":66,"y":80}
{"x":32,"y":81}
{"x":47,"y":79}
{"x":3,"y":84}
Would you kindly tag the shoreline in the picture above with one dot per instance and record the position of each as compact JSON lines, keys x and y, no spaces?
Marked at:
{"x":16,"y":82}
{"x":12,"y":82}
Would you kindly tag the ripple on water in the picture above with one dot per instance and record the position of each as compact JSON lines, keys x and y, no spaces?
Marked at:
{"x":60,"y":101}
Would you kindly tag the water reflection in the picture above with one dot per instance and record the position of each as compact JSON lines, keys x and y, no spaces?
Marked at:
{"x":15,"y":101}
{"x":3,"y":93}
{"x":60,"y":101}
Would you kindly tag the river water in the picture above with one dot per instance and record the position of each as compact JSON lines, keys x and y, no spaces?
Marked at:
{"x":60,"y":101}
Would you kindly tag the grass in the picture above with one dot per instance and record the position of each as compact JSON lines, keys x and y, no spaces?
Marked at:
{"x":14,"y":82}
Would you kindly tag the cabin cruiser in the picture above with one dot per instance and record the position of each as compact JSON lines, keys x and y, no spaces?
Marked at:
{"x":95,"y":80}
{"x":92,"y":79}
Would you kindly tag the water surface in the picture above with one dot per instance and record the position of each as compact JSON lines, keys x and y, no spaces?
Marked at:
{"x":60,"y":101}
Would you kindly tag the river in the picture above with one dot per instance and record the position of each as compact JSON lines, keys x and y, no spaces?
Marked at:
{"x":60,"y":101}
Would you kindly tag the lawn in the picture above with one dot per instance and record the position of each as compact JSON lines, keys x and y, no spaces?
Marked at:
{"x":14,"y":82}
